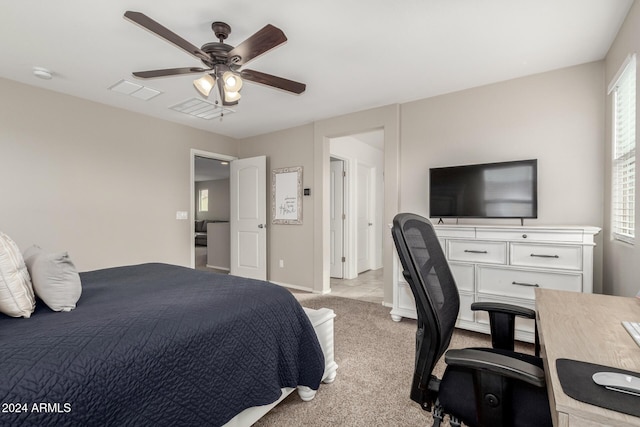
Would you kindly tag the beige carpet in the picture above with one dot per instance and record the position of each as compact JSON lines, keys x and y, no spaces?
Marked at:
{"x":375,"y":357}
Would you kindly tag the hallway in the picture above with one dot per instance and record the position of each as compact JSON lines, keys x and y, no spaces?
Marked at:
{"x":368,"y":286}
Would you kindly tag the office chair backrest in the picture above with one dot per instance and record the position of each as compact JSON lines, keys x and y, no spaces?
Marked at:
{"x":435,"y":292}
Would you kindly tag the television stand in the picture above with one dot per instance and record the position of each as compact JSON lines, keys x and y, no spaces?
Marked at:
{"x":497,"y":263}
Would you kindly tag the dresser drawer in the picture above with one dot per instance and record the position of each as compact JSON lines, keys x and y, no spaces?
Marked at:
{"x":546,"y":256}
{"x":465,"y":312}
{"x":521,"y":283}
{"x":477,"y":251}
{"x":455,"y":232}
{"x":405,"y":297}
{"x":464,"y":275}
{"x":525,"y":235}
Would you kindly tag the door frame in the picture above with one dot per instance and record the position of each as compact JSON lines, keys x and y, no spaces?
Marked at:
{"x":346,"y":209}
{"x":388,"y":119}
{"x":193,"y":153}
{"x":353,"y":165}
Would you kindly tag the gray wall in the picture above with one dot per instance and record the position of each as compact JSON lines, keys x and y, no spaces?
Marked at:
{"x":99,"y":182}
{"x":219,"y":200}
{"x":105,"y":184}
{"x":621,"y":260}
{"x":293,"y":244}
{"x":556,"y":117}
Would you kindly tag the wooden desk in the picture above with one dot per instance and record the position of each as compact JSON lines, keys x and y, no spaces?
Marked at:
{"x":585,"y":327}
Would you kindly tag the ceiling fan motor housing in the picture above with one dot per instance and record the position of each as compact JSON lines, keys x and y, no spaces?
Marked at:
{"x":221,"y":30}
{"x":217,"y":51}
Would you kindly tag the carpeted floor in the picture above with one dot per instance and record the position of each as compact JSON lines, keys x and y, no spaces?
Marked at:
{"x":375,"y":357}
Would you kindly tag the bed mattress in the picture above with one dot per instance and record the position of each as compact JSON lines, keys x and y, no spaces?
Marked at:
{"x":156,"y":344}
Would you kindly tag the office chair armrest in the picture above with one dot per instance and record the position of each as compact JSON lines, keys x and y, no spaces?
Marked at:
{"x":495,"y":363}
{"x":499,"y":307}
{"x":502,"y":319}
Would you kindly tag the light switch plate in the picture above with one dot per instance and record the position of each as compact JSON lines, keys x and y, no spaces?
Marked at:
{"x":182,"y":215}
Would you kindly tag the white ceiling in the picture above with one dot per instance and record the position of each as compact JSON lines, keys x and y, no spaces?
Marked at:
{"x":353,"y":55}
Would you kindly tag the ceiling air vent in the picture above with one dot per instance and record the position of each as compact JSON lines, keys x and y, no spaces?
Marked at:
{"x":202,"y":109}
{"x":133,"y":89}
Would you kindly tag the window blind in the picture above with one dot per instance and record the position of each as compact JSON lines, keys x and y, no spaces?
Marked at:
{"x":624,"y":153}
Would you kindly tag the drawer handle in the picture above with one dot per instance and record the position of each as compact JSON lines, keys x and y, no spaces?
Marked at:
{"x":534,"y":285}
{"x":471,"y":251}
{"x":545,"y":256}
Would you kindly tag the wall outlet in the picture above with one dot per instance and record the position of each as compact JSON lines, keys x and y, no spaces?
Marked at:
{"x":281,"y":263}
{"x":182,"y":215}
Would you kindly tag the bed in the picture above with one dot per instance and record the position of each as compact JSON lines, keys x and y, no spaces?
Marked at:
{"x":157,"y":344}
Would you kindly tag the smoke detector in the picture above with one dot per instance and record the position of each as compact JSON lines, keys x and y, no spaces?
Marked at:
{"x":42,"y":73}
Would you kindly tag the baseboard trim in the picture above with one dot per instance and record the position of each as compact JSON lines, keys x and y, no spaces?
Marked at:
{"x":296,"y":287}
{"x":218,"y":268}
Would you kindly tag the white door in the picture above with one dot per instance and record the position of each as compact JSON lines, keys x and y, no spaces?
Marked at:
{"x":249,"y":217}
{"x":365,"y":221}
{"x":336,"y":219}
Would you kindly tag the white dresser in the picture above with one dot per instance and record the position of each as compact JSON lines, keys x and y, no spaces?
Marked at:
{"x":505,"y":264}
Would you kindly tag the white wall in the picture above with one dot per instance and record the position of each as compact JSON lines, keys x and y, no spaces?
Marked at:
{"x":621,"y":260}
{"x":99,"y":182}
{"x":355,"y":153}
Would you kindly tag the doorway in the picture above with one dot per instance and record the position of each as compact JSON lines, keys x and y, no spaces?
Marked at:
{"x":210,"y":205}
{"x":239,"y":218}
{"x":360,"y":158}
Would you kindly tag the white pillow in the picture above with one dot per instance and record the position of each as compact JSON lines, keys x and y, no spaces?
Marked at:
{"x":29,"y":255}
{"x":16,"y":293}
{"x":55,"y":278}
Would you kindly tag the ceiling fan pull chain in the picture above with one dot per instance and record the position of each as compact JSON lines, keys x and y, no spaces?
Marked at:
{"x":218,"y":105}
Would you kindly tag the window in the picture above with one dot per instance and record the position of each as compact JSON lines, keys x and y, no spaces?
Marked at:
{"x":203,"y":200}
{"x":624,"y":152}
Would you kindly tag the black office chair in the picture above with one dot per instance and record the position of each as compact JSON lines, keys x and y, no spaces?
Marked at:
{"x":486,"y":387}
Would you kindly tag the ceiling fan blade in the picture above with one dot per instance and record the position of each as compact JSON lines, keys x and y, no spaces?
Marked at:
{"x":169,"y":72}
{"x":277,"y":82}
{"x":161,"y":31}
{"x":262,"y":41}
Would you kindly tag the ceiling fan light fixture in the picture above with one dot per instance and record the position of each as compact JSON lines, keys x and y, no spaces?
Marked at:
{"x":232,"y":96}
{"x":232,"y":82}
{"x":204,"y":84}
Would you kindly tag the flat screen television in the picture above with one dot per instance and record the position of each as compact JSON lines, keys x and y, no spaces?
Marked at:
{"x":490,"y":190}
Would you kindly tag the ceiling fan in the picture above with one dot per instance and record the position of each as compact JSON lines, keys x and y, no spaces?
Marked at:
{"x":222,"y":61}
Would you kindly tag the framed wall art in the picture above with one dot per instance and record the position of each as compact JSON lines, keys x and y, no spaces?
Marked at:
{"x":286,"y":195}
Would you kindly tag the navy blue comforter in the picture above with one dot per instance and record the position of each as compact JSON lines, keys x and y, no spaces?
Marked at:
{"x":156,"y":344}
